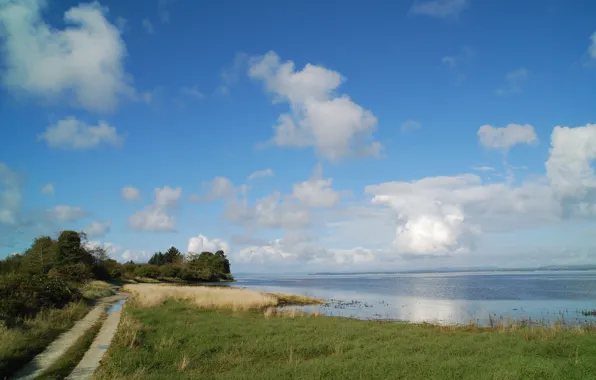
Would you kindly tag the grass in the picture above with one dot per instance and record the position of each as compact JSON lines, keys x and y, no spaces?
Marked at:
{"x":97,"y":289}
{"x":178,"y":340}
{"x":148,"y":295}
{"x":67,"y":362}
{"x":293,"y":299}
{"x":19,"y":345}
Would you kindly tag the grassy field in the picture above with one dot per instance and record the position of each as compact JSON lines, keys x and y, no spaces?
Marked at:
{"x":97,"y":289}
{"x":178,"y":340}
{"x":19,"y":345}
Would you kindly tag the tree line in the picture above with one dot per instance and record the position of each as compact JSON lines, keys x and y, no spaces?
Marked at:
{"x":51,"y":271}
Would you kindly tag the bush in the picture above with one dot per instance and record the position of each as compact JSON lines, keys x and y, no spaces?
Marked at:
{"x":148,"y":270}
{"x":75,"y":273}
{"x":170,"y":271}
{"x":23,"y":296}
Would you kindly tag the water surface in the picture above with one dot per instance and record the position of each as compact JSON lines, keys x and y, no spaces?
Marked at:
{"x":446,"y":298}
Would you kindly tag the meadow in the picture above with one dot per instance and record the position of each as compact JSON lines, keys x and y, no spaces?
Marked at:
{"x":245,"y":337}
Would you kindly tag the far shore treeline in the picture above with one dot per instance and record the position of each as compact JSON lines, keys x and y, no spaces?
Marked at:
{"x":50,"y":273}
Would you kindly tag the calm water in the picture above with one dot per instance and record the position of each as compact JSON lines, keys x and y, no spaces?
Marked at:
{"x":447,"y":298}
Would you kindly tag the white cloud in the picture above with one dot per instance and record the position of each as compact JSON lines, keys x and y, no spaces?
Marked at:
{"x":155,"y":217}
{"x":569,"y":166}
{"x":192,"y":92}
{"x":148,"y":26}
{"x":260,"y":174}
{"x":592,"y":48}
{"x":410,"y":125}
{"x":10,"y":196}
{"x":98,"y":229}
{"x":135,"y":255}
{"x":48,"y":189}
{"x":120,"y":254}
{"x":231,"y":75}
{"x":83,"y":62}
{"x":316,"y":191}
{"x":167,"y":197}
{"x":273,"y":211}
{"x":219,"y":188}
{"x":334,"y":125}
{"x":514,"y":81}
{"x":439,"y":8}
{"x":201,"y":243}
{"x":130,"y":193}
{"x":65,"y":213}
{"x":507,"y":137}
{"x":71,"y":133}
{"x":483,"y":168}
{"x":152,"y":218}
{"x":464,"y":57}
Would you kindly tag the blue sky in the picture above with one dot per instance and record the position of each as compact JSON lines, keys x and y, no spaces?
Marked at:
{"x":404,"y":135}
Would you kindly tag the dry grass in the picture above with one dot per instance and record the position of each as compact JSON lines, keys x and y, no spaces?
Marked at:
{"x":149,"y":295}
{"x":293,"y":299}
{"x":97,"y":289}
{"x":288,"y":313}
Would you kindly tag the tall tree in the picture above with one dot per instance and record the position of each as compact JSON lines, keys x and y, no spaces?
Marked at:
{"x":40,"y":257}
{"x":70,"y":250}
{"x":173,"y":256}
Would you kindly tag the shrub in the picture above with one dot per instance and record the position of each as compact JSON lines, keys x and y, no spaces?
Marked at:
{"x":76,"y":272}
{"x":170,"y":271}
{"x":147,"y":270}
{"x":23,"y":296}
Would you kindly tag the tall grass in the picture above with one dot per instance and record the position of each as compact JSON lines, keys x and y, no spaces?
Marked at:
{"x":97,"y":289}
{"x":20,"y":344}
{"x":149,"y":295}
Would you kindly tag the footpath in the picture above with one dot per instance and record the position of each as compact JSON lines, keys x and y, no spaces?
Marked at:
{"x":90,"y":362}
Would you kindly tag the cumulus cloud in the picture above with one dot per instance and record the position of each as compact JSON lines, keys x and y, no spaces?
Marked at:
{"x":569,"y":166}
{"x":316,"y":191}
{"x":260,"y":174}
{"x":201,"y":243}
{"x":439,"y":8}
{"x":65,"y":213}
{"x":130,"y":193}
{"x":219,"y":188}
{"x":48,"y":189}
{"x":71,"y":133}
{"x":514,"y":81}
{"x":97,"y":228}
{"x":334,"y":125}
{"x":155,"y":217}
{"x":506,"y":137}
{"x":167,"y":197}
{"x":292,"y":251}
{"x":444,"y":215}
{"x":82,"y":62}
{"x":273,"y":211}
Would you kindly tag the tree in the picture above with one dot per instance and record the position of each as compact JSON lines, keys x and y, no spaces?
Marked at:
{"x":70,"y":250}
{"x":157,"y":259}
{"x":226,"y":263}
{"x":39,"y":259}
{"x":173,"y":256}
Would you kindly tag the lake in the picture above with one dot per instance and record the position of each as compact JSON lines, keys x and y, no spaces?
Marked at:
{"x":444,"y":298}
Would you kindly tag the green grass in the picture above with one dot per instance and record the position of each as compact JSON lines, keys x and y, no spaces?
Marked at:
{"x":97,"y":289}
{"x":67,"y":362}
{"x":177,"y":340}
{"x":20,"y":344}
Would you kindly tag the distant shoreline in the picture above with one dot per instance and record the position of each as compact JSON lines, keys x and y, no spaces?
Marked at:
{"x":463,"y":270}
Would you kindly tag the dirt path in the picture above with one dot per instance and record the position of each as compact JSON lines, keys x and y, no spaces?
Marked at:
{"x":58,"y":347}
{"x":87,"y":366}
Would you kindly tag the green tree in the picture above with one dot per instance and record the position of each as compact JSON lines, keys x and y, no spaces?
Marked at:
{"x":157,"y":259}
{"x":39,"y":259}
{"x":173,"y":256}
{"x":70,"y":250}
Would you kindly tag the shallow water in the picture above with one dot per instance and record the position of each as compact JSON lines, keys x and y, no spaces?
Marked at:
{"x":116,"y":306}
{"x":445,"y":298}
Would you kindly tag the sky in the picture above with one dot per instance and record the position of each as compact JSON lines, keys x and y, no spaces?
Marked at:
{"x":320,"y":136}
